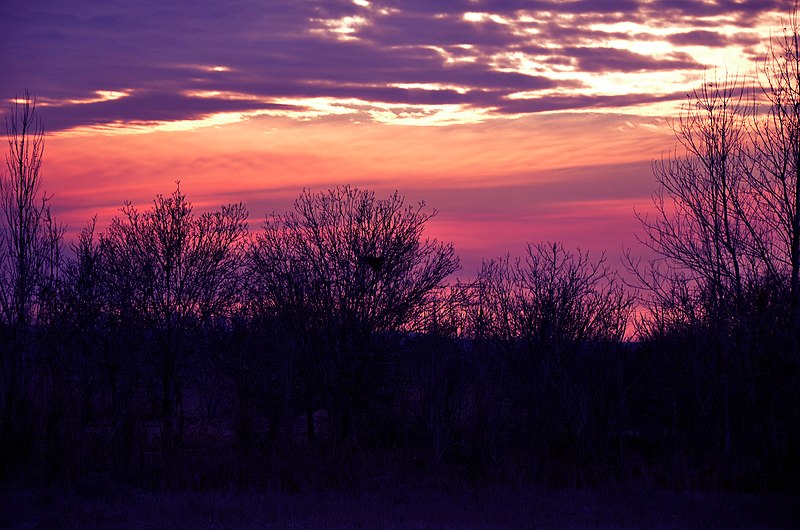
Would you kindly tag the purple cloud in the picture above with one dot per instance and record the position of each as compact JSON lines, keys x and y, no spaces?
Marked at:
{"x":160,"y":52}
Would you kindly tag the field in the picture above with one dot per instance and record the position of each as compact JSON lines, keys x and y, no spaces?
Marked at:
{"x":99,"y":505}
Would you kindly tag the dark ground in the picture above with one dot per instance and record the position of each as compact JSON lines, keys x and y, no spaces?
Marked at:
{"x":98,"y":505}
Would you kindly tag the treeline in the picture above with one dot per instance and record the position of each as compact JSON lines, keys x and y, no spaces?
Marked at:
{"x":331,"y":347}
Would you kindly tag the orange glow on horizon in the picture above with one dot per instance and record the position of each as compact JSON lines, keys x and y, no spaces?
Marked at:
{"x":469,"y":173}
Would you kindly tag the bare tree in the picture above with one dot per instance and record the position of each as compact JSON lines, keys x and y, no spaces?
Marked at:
{"x":345,"y":267}
{"x":178,"y":270}
{"x":552,"y":296}
{"x":775,"y":179}
{"x":699,"y":224}
{"x":703,"y":228}
{"x":30,"y":239}
{"x":541,"y":314}
{"x":30,"y":253}
{"x":775,"y":185}
{"x":84,"y":308}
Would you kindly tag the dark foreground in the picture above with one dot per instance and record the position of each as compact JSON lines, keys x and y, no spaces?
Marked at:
{"x":96,"y":506}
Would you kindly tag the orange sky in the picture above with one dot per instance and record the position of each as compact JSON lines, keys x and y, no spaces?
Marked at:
{"x":496,"y":185}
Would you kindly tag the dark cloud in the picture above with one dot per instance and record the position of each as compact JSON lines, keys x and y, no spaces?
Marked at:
{"x":618,"y":60}
{"x":69,"y":49}
{"x":622,"y":7}
{"x":147,"y":108}
{"x":556,"y":103}
{"x":699,"y":38}
{"x":736,"y":11}
{"x":711,"y":39}
{"x":411,"y":29}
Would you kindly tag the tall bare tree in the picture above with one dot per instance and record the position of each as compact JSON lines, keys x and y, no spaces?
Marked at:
{"x":30,"y":244}
{"x":698,"y":225}
{"x":703,"y":229}
{"x":775,"y":179}
{"x":30,"y":239}
{"x":775,"y":184}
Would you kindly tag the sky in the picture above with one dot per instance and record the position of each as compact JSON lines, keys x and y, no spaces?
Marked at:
{"x":517,"y":120}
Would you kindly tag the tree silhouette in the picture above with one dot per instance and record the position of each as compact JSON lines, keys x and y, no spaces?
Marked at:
{"x":30,"y":253}
{"x":775,"y":175}
{"x":345,"y":268}
{"x":546,"y":316}
{"x":722,"y":293}
{"x":177,"y":271}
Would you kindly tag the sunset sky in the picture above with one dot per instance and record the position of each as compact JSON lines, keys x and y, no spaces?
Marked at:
{"x":518,"y":120}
